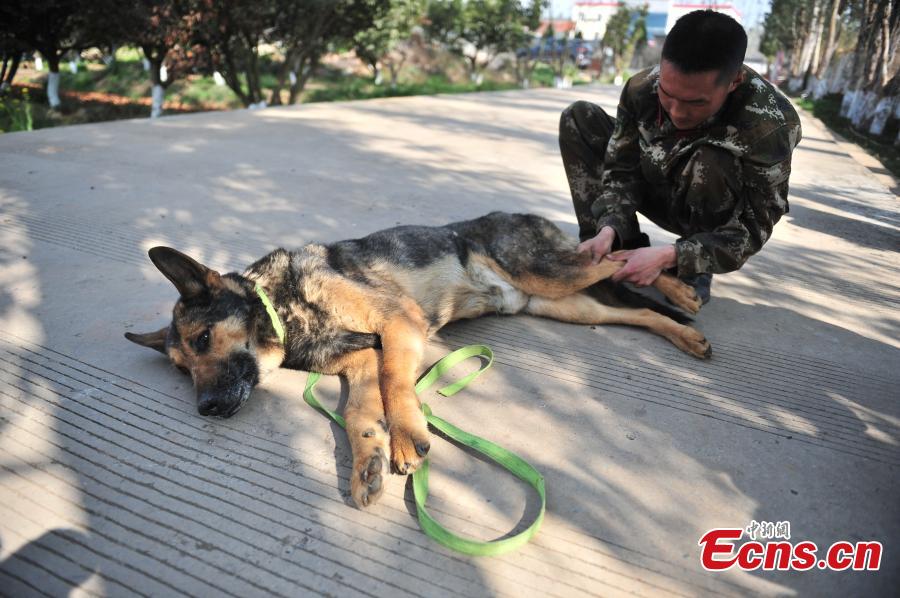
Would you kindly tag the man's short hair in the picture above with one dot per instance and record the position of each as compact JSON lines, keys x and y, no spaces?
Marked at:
{"x":705,"y":40}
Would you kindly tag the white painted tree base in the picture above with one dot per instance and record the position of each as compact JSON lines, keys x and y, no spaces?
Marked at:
{"x":158,"y":95}
{"x":53,"y":90}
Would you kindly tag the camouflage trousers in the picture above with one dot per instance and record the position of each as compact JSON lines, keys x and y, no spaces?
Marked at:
{"x":584,"y":131}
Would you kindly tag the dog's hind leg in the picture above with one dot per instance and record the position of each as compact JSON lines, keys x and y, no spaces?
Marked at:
{"x":366,"y":427}
{"x":563,"y":274}
{"x":582,"y":309}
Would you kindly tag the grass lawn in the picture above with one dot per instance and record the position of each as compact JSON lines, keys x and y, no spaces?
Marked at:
{"x":97,"y":92}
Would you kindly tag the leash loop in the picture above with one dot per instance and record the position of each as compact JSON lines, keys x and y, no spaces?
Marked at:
{"x":503,"y":457}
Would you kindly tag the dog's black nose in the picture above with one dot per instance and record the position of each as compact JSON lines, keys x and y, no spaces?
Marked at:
{"x":207,"y":404}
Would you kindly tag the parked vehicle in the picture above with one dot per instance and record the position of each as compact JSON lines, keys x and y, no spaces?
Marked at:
{"x":576,"y":50}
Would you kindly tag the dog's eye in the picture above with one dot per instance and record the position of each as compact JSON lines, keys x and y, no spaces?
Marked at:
{"x":202,"y":341}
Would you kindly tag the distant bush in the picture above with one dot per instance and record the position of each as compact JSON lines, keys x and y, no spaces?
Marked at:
{"x":357,"y":88}
{"x":15,"y":113}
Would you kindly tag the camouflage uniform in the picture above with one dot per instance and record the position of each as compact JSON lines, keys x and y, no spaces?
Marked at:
{"x":721,"y":187}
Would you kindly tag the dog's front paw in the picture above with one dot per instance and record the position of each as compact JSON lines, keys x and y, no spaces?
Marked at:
{"x":685,"y":297}
{"x":692,"y":341}
{"x":410,"y":443}
{"x":679,"y":293}
{"x":367,"y":480}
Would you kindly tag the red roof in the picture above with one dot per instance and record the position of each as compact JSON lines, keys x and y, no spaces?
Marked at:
{"x":559,"y":26}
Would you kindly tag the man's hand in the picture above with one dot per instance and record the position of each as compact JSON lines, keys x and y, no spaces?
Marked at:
{"x":644,"y":264}
{"x":600,"y":245}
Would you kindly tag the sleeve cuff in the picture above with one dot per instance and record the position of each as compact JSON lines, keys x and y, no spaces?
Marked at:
{"x":691,"y":258}
{"x":623,"y":230}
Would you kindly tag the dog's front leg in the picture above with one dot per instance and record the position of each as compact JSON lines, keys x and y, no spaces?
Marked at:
{"x":402,"y":342}
{"x":402,"y":327}
{"x":366,"y":427}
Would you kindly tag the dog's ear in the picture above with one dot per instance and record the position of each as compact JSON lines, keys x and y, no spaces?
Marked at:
{"x":152,"y":340}
{"x":190,"y":277}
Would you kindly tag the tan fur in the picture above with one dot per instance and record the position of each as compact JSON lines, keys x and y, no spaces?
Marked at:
{"x":403,"y":329}
{"x":572,"y":280}
{"x":581,"y":309}
{"x":366,"y":425}
{"x":178,"y":358}
{"x":678,"y":293}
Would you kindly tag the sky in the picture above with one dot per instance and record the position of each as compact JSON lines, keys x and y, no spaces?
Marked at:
{"x":752,"y":10}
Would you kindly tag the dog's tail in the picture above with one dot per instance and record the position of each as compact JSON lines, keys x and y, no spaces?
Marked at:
{"x":618,"y":295}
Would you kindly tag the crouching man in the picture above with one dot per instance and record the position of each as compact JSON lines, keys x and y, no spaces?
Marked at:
{"x":701,"y":145}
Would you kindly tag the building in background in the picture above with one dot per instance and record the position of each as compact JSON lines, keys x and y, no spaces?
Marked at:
{"x":679,"y":9}
{"x":591,"y":17}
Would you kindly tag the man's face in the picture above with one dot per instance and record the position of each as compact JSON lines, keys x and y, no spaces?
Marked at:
{"x":689,"y":99}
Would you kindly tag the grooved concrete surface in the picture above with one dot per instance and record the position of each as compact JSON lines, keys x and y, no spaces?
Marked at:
{"x":112,"y":484}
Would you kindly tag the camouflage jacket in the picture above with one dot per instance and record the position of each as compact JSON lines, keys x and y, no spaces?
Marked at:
{"x":721,"y":187}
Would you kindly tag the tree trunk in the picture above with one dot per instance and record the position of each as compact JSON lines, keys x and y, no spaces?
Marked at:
{"x":855,"y":82}
{"x":232,"y":78}
{"x":53,"y":79}
{"x":307,"y":65}
{"x":847,"y":101}
{"x":863,"y":109}
{"x":837,"y":83}
{"x":884,"y":57}
{"x":284,"y":73}
{"x":473,"y":65}
{"x":156,"y":57}
{"x":254,"y":90}
{"x":814,"y":42}
{"x":10,"y":66}
{"x":158,"y":97}
{"x":873,"y":58}
{"x":395,"y":66}
{"x":897,"y":117}
{"x":157,"y":93}
{"x":393,"y":72}
{"x":832,"y":37}
{"x":882,"y":112}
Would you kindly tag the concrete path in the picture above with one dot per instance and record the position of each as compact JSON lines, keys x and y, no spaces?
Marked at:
{"x":111,"y":484}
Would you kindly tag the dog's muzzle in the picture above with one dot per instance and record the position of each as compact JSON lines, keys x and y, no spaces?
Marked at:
{"x":225,"y":398}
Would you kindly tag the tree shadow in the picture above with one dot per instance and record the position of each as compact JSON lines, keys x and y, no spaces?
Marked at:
{"x":837,"y":213}
{"x":638,"y":468}
{"x":42,"y":565}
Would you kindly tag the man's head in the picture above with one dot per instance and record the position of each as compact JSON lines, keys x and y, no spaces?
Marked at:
{"x":701,"y":65}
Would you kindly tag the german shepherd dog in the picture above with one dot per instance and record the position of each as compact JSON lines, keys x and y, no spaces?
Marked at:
{"x":364,"y":308}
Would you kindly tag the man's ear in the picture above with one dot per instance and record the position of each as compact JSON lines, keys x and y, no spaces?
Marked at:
{"x":151,"y":340}
{"x":190,"y":277}
{"x":736,"y":82}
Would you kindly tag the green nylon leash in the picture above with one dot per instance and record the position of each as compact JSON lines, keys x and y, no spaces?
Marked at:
{"x":273,"y":315}
{"x":507,"y":459}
